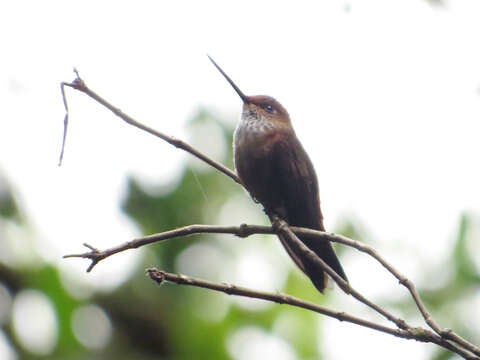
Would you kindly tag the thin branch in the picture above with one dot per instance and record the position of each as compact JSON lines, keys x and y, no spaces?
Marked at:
{"x":403,"y":280}
{"x":65,"y":123}
{"x":96,"y":255}
{"x":295,"y":243}
{"x":79,"y":84}
{"x":243,"y":230}
{"x":418,"y":334}
{"x":159,"y":276}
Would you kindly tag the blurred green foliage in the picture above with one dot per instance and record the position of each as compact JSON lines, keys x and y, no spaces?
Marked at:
{"x":8,"y":206}
{"x":170,"y":321}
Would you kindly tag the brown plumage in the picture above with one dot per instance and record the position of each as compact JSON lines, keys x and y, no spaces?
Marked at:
{"x":276,"y":170}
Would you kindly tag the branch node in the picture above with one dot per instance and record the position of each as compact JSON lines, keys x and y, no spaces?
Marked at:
{"x":179,"y":144}
{"x":445,"y":333}
{"x":92,"y":264}
{"x":78,"y":83}
{"x":243,"y":231}
{"x":94,"y":249}
{"x":282,"y":298}
{"x":229,"y":288}
{"x":345,"y":286}
{"x":341,"y":316}
{"x":402,"y":324}
{"x":94,"y":254}
{"x":156,"y":275}
{"x":419,"y":334}
{"x":278,"y":224}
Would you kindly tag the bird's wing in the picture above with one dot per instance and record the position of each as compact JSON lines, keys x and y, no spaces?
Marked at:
{"x":296,"y":183}
{"x":296,"y":187}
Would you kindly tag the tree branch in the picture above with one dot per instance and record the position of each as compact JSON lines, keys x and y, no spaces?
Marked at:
{"x":295,"y":243}
{"x":244,"y":230}
{"x":79,"y":84}
{"x":402,"y":279}
{"x":410,"y":333}
{"x":459,"y":345}
{"x":96,"y":255}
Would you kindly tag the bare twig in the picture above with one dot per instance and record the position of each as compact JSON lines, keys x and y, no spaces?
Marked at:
{"x":244,"y":230}
{"x":460,"y":345}
{"x":295,"y":243}
{"x":402,"y":279}
{"x":79,"y":84}
{"x":65,"y":123}
{"x":418,"y":333}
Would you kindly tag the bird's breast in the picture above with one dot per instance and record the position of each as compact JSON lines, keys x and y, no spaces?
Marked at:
{"x":254,"y":144}
{"x":253,"y":138}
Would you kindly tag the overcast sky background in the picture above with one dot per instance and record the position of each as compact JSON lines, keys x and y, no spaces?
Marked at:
{"x":383,"y":94}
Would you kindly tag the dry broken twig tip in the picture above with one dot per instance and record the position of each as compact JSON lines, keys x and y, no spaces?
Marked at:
{"x":78,"y":82}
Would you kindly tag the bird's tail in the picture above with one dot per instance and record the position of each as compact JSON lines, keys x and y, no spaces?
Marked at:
{"x":322,"y":249}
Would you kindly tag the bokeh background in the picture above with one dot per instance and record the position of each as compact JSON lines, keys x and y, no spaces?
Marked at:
{"x":384,"y":96}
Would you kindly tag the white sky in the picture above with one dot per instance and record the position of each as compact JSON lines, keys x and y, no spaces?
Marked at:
{"x":383,"y":94}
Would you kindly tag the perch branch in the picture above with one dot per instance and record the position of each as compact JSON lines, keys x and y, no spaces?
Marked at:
{"x":96,"y":255}
{"x":295,"y":243}
{"x":403,"y":280}
{"x":417,"y":333}
{"x":244,"y":230}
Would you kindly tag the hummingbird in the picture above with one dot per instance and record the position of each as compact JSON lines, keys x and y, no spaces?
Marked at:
{"x":277,"y":172}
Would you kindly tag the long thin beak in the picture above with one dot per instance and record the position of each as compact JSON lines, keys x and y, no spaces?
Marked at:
{"x":239,"y":92}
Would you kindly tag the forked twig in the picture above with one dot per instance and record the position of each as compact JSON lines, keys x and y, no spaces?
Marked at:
{"x":79,"y":84}
{"x":445,"y":338}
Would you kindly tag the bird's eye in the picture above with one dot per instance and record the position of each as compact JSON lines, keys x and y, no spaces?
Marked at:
{"x":268,"y":108}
